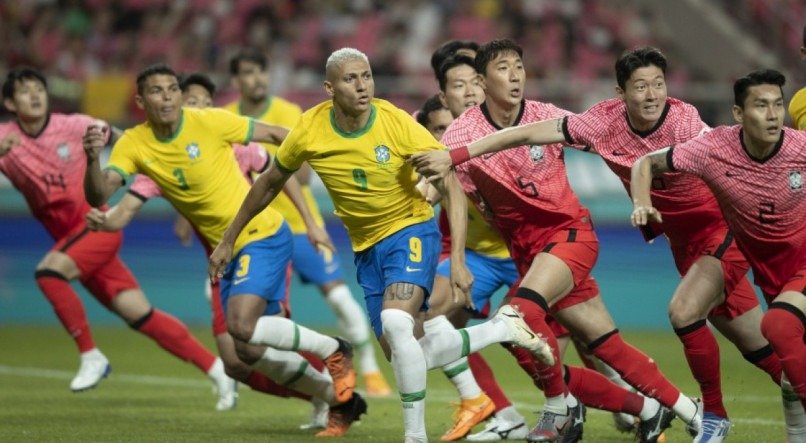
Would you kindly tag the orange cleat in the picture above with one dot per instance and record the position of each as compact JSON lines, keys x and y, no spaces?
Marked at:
{"x":342,"y":416}
{"x":340,"y":366}
{"x":376,"y":385}
{"x":468,"y":414}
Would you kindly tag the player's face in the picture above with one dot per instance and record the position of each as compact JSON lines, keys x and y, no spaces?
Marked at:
{"x":645,"y":96}
{"x":504,"y":79}
{"x":438,"y":122}
{"x":352,"y":87}
{"x":462,"y":89}
{"x":762,"y":116}
{"x":30,"y":99}
{"x":252,"y":81}
{"x":161,"y":99}
{"x":196,"y":97}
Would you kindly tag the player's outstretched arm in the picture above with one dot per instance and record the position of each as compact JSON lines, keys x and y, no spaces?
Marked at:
{"x":640,"y":185}
{"x":117,"y":217}
{"x":456,"y":205}
{"x":98,"y":185}
{"x":317,"y":235}
{"x":263,"y":191}
{"x":273,"y":134}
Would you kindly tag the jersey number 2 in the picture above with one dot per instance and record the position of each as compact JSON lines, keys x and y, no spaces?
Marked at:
{"x":180,"y":176}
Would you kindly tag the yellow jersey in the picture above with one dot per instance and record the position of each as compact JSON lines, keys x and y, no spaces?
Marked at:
{"x":196,"y":171}
{"x":365,"y":171}
{"x":797,"y":109}
{"x":281,"y":112}
{"x":481,"y":237}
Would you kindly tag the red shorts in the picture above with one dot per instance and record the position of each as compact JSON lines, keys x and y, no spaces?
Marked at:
{"x":556,"y":328}
{"x":95,"y":254}
{"x":740,"y":297}
{"x":795,"y":284}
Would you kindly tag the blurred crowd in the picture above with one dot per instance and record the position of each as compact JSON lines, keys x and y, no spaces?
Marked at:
{"x":91,"y":49}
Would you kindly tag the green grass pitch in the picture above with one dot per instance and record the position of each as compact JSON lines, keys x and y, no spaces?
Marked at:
{"x":150,"y":396}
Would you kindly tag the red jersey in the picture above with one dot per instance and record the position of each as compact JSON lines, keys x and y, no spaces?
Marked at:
{"x":252,"y":158}
{"x":48,"y":169}
{"x":763,"y":200}
{"x":689,"y":209}
{"x":524,"y":190}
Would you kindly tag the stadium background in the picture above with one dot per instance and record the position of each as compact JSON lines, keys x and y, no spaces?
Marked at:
{"x":92,"y":49}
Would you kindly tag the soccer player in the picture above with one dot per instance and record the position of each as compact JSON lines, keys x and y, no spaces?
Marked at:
{"x":755,"y":170}
{"x":249,"y":71}
{"x":713,"y":270}
{"x":188,"y":153}
{"x":197,"y":92}
{"x":434,"y":116}
{"x":527,"y":195}
{"x":797,"y":106}
{"x":41,"y":155}
{"x":358,"y":144}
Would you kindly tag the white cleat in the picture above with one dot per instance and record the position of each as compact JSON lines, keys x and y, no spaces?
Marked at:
{"x":523,"y":336}
{"x":225,"y":387}
{"x":501,"y":429}
{"x":319,"y":415}
{"x":94,"y":367}
{"x":694,"y":427}
{"x":794,"y":416}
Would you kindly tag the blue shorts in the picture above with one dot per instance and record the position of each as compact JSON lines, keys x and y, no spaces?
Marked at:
{"x":260,"y":268}
{"x":489,"y":274}
{"x":407,"y":256}
{"x":317,"y":267}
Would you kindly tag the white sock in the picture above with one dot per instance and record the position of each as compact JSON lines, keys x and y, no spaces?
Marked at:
{"x":354,"y":325}
{"x":217,"y":369}
{"x":794,"y":416}
{"x":571,"y":401}
{"x":649,"y":409}
{"x":92,"y":354}
{"x":685,"y":408}
{"x":611,"y":374}
{"x":291,"y":369}
{"x":556,"y":405}
{"x":408,"y":363}
{"x":458,"y":372}
{"x":282,"y":333}
{"x":487,"y":333}
{"x":510,"y":414}
{"x":445,"y":345}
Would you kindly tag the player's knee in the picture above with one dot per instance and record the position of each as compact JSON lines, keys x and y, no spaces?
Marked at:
{"x":236,"y":369}
{"x":396,"y":325}
{"x":776,"y":326}
{"x":682,"y":314}
{"x":240,"y":328}
{"x":49,"y":273}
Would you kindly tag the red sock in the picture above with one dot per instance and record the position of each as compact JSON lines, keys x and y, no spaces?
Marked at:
{"x":766,"y":360}
{"x":67,"y":306}
{"x":784,"y":326}
{"x":702,"y":353}
{"x":315,"y":361}
{"x":486,"y":380}
{"x":173,"y":336}
{"x":261,"y":383}
{"x":635,"y":367}
{"x":544,"y":377}
{"x":597,"y":391}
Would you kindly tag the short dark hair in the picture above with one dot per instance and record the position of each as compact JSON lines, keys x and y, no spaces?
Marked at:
{"x":199,"y":79}
{"x":157,"y":69}
{"x":755,"y":78}
{"x":638,"y":58}
{"x":432,"y":104}
{"x":247,"y":55}
{"x":18,"y":75}
{"x":449,"y":63}
{"x":492,"y":49}
{"x":448,"y":49}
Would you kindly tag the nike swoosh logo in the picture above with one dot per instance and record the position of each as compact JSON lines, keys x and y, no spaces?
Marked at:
{"x":238,"y":281}
{"x":410,"y":269}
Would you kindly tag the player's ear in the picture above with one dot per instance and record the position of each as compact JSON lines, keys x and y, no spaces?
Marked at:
{"x":9,"y":104}
{"x":620,"y":92}
{"x":738,"y":113}
{"x":442,"y":99}
{"x":138,"y":99}
{"x":328,"y":88}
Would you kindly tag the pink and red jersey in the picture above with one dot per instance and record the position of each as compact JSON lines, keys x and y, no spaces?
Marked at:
{"x":252,"y":158}
{"x":689,"y":209}
{"x":763,"y":200}
{"x":48,"y":169}
{"x":525,"y":190}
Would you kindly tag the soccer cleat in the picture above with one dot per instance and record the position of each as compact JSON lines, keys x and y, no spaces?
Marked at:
{"x":340,"y":366}
{"x":225,"y":387}
{"x":550,"y":427}
{"x":651,"y":430}
{"x":94,"y":367}
{"x":714,"y":429}
{"x":524,"y":337}
{"x":695,"y":425}
{"x":501,"y":429}
{"x":624,"y":422}
{"x":319,"y":415}
{"x":342,"y":416}
{"x":574,"y":432}
{"x":376,"y":385}
{"x":794,"y":416}
{"x":468,"y":414}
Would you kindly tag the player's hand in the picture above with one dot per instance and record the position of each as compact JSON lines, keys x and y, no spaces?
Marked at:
{"x":320,"y":239}
{"x":217,"y":263}
{"x":461,"y":282}
{"x":183,"y":231}
{"x":96,"y":219}
{"x":429,"y":192}
{"x":94,"y":140}
{"x":8,"y":142}
{"x":642,"y":215}
{"x":434,"y":165}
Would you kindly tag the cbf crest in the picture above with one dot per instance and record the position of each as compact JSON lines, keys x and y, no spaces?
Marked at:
{"x":536,"y":152}
{"x":63,"y":151}
{"x":193,"y":151}
{"x":382,"y":154}
{"x":795,"y":180}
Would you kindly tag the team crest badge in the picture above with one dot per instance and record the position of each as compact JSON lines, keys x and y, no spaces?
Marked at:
{"x":795,"y":180}
{"x":382,"y":154}
{"x":193,"y":151}
{"x":536,"y":152}
{"x":63,"y":151}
